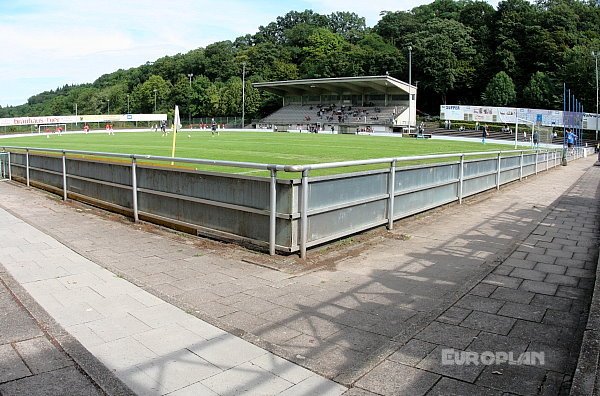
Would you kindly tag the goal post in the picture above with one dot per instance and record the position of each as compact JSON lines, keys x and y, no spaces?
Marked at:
{"x":49,"y":128}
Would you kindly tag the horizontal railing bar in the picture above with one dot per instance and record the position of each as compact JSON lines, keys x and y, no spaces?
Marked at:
{"x":280,"y":168}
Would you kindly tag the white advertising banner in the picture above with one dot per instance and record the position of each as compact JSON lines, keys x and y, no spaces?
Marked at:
{"x":509,"y":115}
{"x":81,"y":119}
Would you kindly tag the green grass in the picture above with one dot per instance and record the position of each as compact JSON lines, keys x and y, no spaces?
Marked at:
{"x":259,"y":147}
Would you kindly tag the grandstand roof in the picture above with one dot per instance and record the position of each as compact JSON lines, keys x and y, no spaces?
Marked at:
{"x":347,"y":85}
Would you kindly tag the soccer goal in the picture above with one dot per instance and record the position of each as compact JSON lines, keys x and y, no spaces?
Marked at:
{"x":49,"y":128}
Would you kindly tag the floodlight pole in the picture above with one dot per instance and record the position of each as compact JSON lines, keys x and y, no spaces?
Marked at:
{"x":155,"y":100}
{"x":243,"y":93}
{"x":127,"y":103}
{"x":409,"y":86}
{"x":108,"y":108}
{"x":190,"y":75}
{"x":75,"y":113}
{"x":595,"y":54}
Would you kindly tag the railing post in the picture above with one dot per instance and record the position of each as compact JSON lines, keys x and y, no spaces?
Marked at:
{"x":521,"y":167}
{"x":134,"y":188}
{"x":273,"y":213}
{"x":461,"y":178}
{"x":9,"y":166}
{"x":27,"y":166}
{"x":391,"y":193}
{"x":547,"y":160}
{"x":498,"y":171}
{"x":536,"y":162}
{"x":64,"y":175}
{"x":304,"y":215}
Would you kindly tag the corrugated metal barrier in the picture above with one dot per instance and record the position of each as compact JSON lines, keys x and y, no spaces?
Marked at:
{"x":283,"y":215}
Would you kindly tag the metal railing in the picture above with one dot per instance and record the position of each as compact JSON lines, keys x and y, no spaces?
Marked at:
{"x":4,"y":168}
{"x":301,"y":212}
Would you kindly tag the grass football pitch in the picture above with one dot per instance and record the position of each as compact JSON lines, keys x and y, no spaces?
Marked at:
{"x":258,"y":147}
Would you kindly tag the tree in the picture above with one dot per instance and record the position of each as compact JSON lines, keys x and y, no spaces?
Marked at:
{"x":500,"y":91}
{"x":442,"y":56}
{"x":539,"y":92}
{"x":143,"y":95}
{"x":378,"y":57}
{"x":347,"y":24}
{"x":219,"y":61}
{"x":329,"y":55}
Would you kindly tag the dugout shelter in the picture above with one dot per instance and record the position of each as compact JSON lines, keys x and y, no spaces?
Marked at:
{"x":343,"y":104}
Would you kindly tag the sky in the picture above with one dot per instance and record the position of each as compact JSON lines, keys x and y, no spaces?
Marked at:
{"x":50,"y":43}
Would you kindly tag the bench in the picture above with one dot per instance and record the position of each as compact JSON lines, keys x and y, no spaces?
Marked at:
{"x":418,"y":135}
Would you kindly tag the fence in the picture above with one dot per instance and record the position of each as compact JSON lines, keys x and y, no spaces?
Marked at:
{"x":285,"y":215}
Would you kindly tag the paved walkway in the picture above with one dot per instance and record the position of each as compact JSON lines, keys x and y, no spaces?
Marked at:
{"x":152,"y":346}
{"x":30,"y":363}
{"x":509,"y":271}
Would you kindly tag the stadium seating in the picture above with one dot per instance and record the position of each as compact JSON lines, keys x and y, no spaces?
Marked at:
{"x":326,"y":114}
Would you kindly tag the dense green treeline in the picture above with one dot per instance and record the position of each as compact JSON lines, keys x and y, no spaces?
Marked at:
{"x":463,"y":52}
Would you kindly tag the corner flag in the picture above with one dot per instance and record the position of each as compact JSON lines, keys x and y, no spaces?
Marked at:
{"x":176,"y":126}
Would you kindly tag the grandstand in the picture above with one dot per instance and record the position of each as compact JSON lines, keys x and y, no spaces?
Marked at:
{"x":345,"y":104}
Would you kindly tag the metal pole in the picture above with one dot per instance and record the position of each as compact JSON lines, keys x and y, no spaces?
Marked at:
{"x":304,"y":215}
{"x":27,"y":166}
{"x":391,"y":193}
{"x":9,"y":170}
{"x":595,"y":55}
{"x":409,"y":86}
{"x":64,"y":175}
{"x":155,"y":100}
{"x":517,"y":129}
{"x":190,"y":75}
{"x":127,"y":103}
{"x":498,"y":171}
{"x":536,"y":162}
{"x":273,"y":214}
{"x":76,"y":123}
{"x":461,"y":178}
{"x":409,"y":65}
{"x":547,"y":160}
{"x":243,"y":93}
{"x":134,"y":188}
{"x":565,"y":116}
{"x":521,"y":167}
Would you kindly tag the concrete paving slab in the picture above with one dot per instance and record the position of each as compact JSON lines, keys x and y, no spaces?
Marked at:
{"x":52,"y":383}
{"x":11,"y":365}
{"x":246,"y":379}
{"x":407,"y":380}
{"x":40,"y":355}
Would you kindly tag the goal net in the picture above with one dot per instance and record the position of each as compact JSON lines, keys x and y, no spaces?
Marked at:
{"x":51,"y":128}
